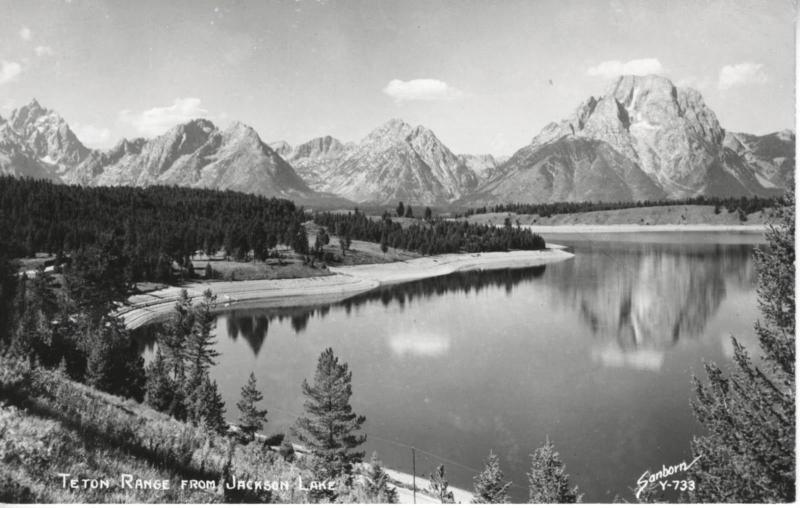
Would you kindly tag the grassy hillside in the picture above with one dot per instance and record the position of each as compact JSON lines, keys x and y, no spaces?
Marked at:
{"x":54,"y":430}
{"x":51,"y":426}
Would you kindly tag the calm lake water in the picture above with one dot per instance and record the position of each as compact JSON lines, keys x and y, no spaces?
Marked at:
{"x":596,"y":352}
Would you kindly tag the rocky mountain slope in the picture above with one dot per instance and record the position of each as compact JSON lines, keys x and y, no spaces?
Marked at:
{"x":395,"y":162}
{"x":37,"y":142}
{"x":483,"y":165}
{"x":772,"y":155}
{"x":643,"y":139}
{"x":568,"y":170}
{"x":314,"y":159}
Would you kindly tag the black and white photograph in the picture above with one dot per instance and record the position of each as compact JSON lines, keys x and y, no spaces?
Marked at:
{"x":397,"y":251}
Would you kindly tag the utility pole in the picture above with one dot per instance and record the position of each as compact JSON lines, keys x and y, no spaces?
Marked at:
{"x":414,"y":473}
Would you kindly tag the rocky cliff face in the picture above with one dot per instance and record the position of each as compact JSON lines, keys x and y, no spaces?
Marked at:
{"x":654,"y":130}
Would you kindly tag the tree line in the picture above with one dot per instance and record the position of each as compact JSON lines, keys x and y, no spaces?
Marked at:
{"x":145,"y":230}
{"x":743,"y":205}
{"x":434,"y":236}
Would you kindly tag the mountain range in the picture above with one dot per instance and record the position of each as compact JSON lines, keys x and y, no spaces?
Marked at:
{"x":644,"y":138}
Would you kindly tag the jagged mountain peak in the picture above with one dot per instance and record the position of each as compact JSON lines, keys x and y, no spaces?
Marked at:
{"x":282,"y":148}
{"x":194,"y":125}
{"x":628,"y":88}
{"x":47,"y":135}
{"x":394,"y":129}
{"x":669,"y":132}
{"x":127,"y":146}
{"x":192,"y":154}
{"x":396,"y":161}
{"x":324,"y":146}
{"x":243,"y":133}
{"x":25,"y":117}
{"x":662,"y":134}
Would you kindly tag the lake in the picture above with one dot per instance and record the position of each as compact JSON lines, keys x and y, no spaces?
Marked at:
{"x":596,"y":353}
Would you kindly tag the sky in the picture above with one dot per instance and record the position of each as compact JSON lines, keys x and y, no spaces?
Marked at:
{"x":484,"y":75}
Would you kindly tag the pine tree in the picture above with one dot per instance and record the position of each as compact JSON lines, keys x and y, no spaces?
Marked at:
{"x":400,"y":209}
{"x":300,"y":241}
{"x":548,"y":481}
{"x":377,"y":483}
{"x":199,"y":350}
{"x":489,"y":485}
{"x":748,"y":452}
{"x":428,"y":213}
{"x":159,"y":387}
{"x":112,"y":363}
{"x":8,"y":290}
{"x":32,"y":333}
{"x":439,"y":485}
{"x":329,"y":425}
{"x":251,"y":419}
{"x":176,"y":335}
{"x":209,"y":407}
{"x":384,"y":242}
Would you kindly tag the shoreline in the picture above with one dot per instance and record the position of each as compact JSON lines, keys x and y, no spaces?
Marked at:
{"x":345,"y":282}
{"x":637,"y":228}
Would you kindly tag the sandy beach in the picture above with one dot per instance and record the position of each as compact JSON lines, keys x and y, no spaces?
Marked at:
{"x":345,"y":282}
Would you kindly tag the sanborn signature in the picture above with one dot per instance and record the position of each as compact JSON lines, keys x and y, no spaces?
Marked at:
{"x":648,"y":479}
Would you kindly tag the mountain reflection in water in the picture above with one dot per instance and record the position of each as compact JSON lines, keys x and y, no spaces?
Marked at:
{"x":638,"y":300}
{"x":253,"y":324}
{"x":643,"y":299}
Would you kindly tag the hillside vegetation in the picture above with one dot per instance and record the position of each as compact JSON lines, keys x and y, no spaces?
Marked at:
{"x":52,"y":425}
{"x":651,"y":216}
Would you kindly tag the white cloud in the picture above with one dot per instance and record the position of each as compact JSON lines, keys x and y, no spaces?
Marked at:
{"x":25,"y":33}
{"x":155,"y":121}
{"x":91,"y":135}
{"x":615,"y":68}
{"x":745,"y":73}
{"x":43,"y":50}
{"x":421,"y":90}
{"x":9,"y":71}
